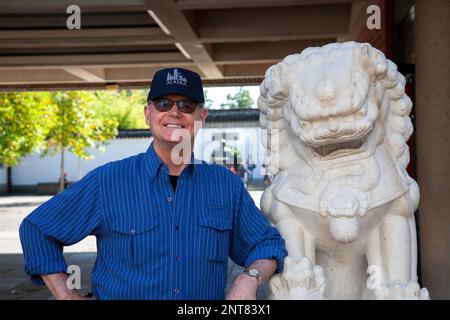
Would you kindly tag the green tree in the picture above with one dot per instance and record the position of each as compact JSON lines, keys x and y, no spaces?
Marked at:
{"x":240,"y":100}
{"x":24,"y":123}
{"x":208,"y":101}
{"x":126,"y":106}
{"x":75,"y":127}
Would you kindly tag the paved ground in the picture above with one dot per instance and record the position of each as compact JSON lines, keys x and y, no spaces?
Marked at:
{"x":13,"y":282}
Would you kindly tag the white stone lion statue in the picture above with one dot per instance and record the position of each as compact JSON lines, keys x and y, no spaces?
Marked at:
{"x":336,"y":122}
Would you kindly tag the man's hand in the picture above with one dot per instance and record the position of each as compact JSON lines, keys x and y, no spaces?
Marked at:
{"x":57,"y":284}
{"x":75,"y":296}
{"x":244,"y":288}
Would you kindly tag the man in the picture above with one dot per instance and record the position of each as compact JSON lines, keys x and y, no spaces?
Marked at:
{"x":164,"y":227}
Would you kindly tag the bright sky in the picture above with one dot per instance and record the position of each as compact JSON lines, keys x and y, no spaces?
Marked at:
{"x":219,"y":94}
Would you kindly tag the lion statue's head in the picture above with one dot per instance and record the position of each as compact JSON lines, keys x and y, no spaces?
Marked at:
{"x":333,"y":100}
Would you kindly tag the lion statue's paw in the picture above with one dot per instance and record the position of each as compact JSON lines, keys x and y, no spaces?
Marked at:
{"x":399,"y":291}
{"x":299,"y":281}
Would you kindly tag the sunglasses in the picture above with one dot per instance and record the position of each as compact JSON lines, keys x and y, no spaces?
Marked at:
{"x":185,"y":106}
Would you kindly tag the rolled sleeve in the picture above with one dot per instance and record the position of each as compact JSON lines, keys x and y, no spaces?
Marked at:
{"x":254,"y":238}
{"x":65,"y":219}
{"x":270,"y":248}
{"x":42,"y":254}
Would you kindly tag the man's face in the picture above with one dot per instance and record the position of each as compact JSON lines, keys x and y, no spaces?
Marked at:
{"x":167,"y":127}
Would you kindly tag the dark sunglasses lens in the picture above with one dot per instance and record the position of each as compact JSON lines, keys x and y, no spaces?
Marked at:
{"x":163,"y":104}
{"x":186,"y":106}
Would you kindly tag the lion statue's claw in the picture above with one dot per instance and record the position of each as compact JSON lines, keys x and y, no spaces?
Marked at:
{"x":299,"y":281}
{"x":398,"y":291}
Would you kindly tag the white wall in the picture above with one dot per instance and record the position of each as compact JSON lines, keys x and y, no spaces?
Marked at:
{"x":2,"y":176}
{"x":248,"y":143}
{"x":34,"y":169}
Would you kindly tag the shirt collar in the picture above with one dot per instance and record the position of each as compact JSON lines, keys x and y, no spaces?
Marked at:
{"x":155,"y":164}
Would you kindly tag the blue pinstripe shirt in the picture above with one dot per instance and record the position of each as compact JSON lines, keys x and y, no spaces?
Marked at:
{"x":152,"y":242}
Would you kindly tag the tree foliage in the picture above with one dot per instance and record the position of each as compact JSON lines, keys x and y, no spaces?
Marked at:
{"x":208,"y":101}
{"x":75,"y":125}
{"x":240,"y":100}
{"x":25,"y":121}
{"x":125,"y":106}
{"x":52,"y":122}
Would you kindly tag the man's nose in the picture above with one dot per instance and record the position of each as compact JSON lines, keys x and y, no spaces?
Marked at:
{"x":174,"y":110}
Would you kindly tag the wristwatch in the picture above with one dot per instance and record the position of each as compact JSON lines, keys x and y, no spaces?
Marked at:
{"x":253,"y":273}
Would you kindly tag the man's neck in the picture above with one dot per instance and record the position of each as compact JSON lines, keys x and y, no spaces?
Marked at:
{"x":164,"y":152}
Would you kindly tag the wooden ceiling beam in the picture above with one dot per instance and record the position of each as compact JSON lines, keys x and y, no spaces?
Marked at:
{"x":98,"y":60}
{"x":273,"y":23}
{"x":226,"y":4}
{"x":36,"y":76}
{"x":87,"y":74}
{"x":261,"y":52}
{"x":181,"y":27}
{"x":245,"y":70}
{"x":95,"y":33}
{"x":58,"y":6}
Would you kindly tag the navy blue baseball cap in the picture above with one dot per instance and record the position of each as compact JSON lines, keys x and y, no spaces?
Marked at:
{"x":177,"y":81}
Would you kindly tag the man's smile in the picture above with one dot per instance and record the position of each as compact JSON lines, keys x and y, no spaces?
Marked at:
{"x":173,"y":125}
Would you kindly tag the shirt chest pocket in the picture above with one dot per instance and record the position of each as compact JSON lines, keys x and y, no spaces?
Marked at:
{"x":215,"y":233}
{"x":134,"y":241}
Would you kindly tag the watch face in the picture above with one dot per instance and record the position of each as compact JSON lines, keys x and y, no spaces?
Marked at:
{"x":253,"y":272}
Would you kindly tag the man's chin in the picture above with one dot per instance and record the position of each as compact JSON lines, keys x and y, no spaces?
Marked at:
{"x":170,"y":141}
{"x":174,"y":140}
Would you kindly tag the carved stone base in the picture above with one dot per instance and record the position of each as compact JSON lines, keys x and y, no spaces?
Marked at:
{"x":299,"y":281}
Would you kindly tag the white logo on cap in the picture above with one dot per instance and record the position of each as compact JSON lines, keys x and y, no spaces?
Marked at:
{"x":176,"y":78}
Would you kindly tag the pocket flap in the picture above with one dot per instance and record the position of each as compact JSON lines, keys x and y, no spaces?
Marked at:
{"x":133,"y":228}
{"x":217,"y":218}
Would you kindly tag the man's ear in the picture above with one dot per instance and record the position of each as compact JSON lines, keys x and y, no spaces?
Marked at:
{"x":203,"y":114}
{"x":147,"y":114}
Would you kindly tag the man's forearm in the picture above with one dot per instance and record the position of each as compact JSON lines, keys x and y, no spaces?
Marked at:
{"x":266,"y":268}
{"x":245,"y":286}
{"x":57,"y":284}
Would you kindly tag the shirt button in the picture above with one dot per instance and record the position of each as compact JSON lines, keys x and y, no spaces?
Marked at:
{"x":133,"y":231}
{"x":177,"y":258}
{"x":169,"y":199}
{"x":177,"y":227}
{"x":176,"y":290}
